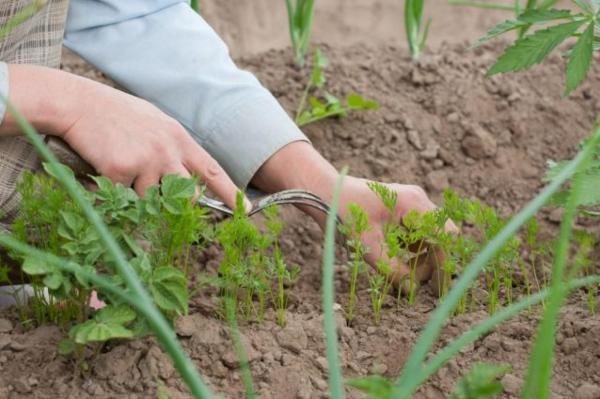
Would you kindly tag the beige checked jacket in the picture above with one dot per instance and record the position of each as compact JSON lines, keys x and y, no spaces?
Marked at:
{"x":38,"y":40}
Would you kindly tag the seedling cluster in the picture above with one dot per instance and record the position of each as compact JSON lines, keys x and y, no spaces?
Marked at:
{"x":322,"y":104}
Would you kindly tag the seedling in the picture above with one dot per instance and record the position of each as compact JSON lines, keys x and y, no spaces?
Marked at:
{"x":195,"y":5}
{"x":328,"y":105}
{"x":531,"y":49}
{"x":277,"y":265}
{"x":356,"y":224}
{"x":300,"y":18}
{"x":482,"y":381}
{"x":416,"y":33}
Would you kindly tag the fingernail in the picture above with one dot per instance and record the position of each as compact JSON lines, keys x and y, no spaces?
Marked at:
{"x":248,"y":205}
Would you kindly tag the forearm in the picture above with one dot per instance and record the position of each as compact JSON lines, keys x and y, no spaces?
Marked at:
{"x":47,"y":98}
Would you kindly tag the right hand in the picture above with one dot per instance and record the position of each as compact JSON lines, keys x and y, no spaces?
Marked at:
{"x":132,"y":142}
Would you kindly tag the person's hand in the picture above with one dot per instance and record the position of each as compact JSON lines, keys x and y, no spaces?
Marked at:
{"x":132,"y":142}
{"x":307,"y":169}
{"x":123,"y":137}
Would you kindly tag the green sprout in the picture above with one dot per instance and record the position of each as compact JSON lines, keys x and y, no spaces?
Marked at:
{"x":416,"y":33}
{"x":300,"y":18}
{"x":329,"y":105}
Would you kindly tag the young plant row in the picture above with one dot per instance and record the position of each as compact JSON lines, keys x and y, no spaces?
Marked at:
{"x":421,"y":240}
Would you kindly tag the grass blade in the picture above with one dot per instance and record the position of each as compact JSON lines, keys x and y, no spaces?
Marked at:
{"x":336,"y":386}
{"x":539,"y":373}
{"x":413,"y":367}
{"x":156,"y":320}
{"x":484,"y":327}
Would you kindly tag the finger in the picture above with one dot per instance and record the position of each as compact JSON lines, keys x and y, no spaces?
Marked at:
{"x":141,"y":183}
{"x":214,"y":176}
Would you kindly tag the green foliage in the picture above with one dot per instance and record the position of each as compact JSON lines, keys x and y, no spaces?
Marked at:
{"x":531,"y":49}
{"x":300,"y":18}
{"x":482,"y":381}
{"x":416,"y":33}
{"x":327,"y":105}
{"x":355,"y":225}
{"x":157,"y":232}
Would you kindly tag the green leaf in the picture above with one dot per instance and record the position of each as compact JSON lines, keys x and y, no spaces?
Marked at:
{"x":169,"y":289}
{"x":54,"y":169}
{"x":375,"y":386}
{"x":580,"y":59}
{"x":121,"y":314}
{"x":532,"y":49}
{"x":481,"y":382}
{"x":66,"y":346}
{"x":356,"y":101}
{"x":94,"y":331}
{"x":500,"y":29}
{"x":533,"y":16}
{"x":173,"y":186}
{"x":53,"y":281}
{"x":320,"y":62}
{"x":35,"y":266}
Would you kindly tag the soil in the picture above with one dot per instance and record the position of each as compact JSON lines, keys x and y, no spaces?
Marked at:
{"x":441,"y":123}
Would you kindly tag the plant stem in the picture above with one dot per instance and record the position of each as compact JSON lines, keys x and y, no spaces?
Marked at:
{"x":336,"y":387}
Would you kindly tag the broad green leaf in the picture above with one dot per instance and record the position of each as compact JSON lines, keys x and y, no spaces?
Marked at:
{"x":94,"y":331}
{"x":104,"y":184}
{"x":35,"y":266}
{"x":173,"y":186}
{"x":81,"y":278}
{"x":481,"y":382}
{"x":121,"y":314}
{"x":152,"y":200}
{"x":534,"y":16}
{"x":375,"y":386}
{"x":52,"y":168}
{"x":73,"y":222}
{"x":580,"y":59}
{"x":532,"y":49}
{"x":54,"y":280}
{"x":169,"y":289}
{"x":320,"y":62}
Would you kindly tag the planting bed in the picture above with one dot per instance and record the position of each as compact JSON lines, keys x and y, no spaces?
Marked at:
{"x":441,"y":123}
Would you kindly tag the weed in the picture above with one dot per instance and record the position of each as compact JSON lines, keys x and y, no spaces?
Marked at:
{"x":416,"y":33}
{"x":329,"y":105}
{"x":300,"y":18}
{"x":531,"y":49}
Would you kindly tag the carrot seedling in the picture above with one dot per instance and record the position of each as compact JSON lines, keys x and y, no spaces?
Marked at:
{"x":326,"y":105}
{"x":354,"y":227}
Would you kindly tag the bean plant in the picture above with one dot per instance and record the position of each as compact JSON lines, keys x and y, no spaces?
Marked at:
{"x":327,"y":105}
{"x":300,"y":19}
{"x":531,"y":49}
{"x":156,"y":233}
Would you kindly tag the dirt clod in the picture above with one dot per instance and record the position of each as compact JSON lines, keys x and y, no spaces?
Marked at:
{"x":6,"y":326}
{"x":587,"y":391}
{"x":479,"y":143}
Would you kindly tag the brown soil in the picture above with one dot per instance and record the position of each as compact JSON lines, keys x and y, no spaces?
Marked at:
{"x":441,"y":123}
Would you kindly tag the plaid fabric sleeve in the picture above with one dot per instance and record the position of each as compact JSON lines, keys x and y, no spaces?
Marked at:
{"x":3,"y":89}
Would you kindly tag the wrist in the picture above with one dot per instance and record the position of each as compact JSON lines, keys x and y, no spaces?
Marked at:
{"x":297,"y":166}
{"x":49,"y":99}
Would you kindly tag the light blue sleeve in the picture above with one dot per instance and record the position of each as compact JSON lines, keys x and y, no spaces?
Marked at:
{"x":163,"y":51}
